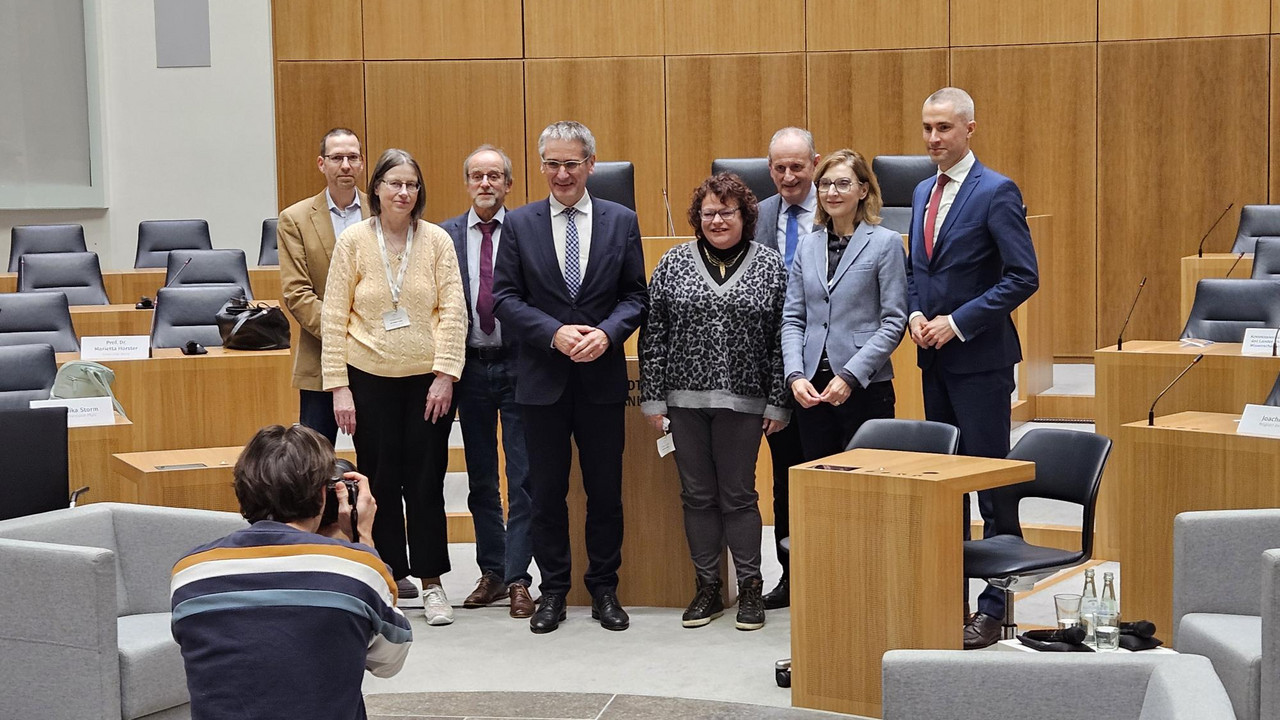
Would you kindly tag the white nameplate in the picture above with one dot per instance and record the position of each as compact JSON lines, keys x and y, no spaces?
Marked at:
{"x":82,"y":412}
{"x":115,"y":347}
{"x":1260,"y":420}
{"x":666,"y":445}
{"x":1259,"y":341}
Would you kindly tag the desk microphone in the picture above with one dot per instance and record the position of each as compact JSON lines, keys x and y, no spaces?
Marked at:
{"x":1120,"y":337}
{"x":1200,"y":250}
{"x":146,"y":304}
{"x":671,"y":225}
{"x":1151,"y":414}
{"x":1274,"y":341}
{"x":1234,"y":264}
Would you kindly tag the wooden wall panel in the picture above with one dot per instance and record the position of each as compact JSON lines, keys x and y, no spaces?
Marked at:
{"x":745,"y":26}
{"x":316,"y":30}
{"x":1181,"y":127}
{"x":312,"y":98}
{"x":1139,"y":19}
{"x":1023,"y":22}
{"x":592,"y":28}
{"x":726,"y":106}
{"x":876,"y":24}
{"x":1036,"y":124}
{"x":1275,"y":111}
{"x":431,"y":109}
{"x":625,"y":117}
{"x":870,"y":101}
{"x":442,"y":29}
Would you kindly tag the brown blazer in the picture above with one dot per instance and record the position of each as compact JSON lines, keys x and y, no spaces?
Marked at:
{"x":304,"y":237}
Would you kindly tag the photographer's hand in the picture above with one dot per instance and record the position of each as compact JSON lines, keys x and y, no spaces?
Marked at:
{"x":366,"y":507}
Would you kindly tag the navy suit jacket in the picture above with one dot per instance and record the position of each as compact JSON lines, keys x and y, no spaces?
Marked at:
{"x":983,"y":267}
{"x":532,"y":301}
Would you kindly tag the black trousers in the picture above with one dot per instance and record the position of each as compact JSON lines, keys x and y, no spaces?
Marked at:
{"x":826,"y":429}
{"x":784,"y":451}
{"x":405,"y":458}
{"x":597,"y":431}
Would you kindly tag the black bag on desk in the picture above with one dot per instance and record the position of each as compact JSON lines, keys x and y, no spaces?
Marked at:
{"x":245,"y":326}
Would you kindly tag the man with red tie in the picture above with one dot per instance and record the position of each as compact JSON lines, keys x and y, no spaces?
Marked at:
{"x":487,"y":391}
{"x":971,"y":264}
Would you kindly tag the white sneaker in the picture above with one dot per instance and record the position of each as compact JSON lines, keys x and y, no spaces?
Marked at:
{"x":436,"y":606}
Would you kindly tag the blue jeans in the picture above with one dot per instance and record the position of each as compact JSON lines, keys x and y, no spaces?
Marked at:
{"x":486,"y":390}
{"x":315,"y":410}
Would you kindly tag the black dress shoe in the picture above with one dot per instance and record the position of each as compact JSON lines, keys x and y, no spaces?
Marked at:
{"x":982,"y":631}
{"x":549,"y":615}
{"x":780,"y":596}
{"x":606,"y":608}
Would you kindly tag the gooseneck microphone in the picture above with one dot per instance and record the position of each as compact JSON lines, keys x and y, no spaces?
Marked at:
{"x":671,"y":224}
{"x":1120,"y":337}
{"x":1200,"y":250}
{"x":175,"y":275}
{"x":1151,"y":414}
{"x":1234,"y":264}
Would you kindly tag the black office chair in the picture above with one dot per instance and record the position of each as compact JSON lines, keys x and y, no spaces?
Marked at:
{"x":614,"y":181}
{"x":76,"y":274}
{"x":1273,"y":398}
{"x":184,"y":314}
{"x":1256,"y":221}
{"x":898,"y":176}
{"x":1266,"y":259}
{"x":268,"y":254}
{"x":32,"y":239}
{"x":157,"y":237}
{"x":1224,"y":308}
{"x":753,"y":171}
{"x":38,"y":317}
{"x":34,"y":461}
{"x":29,"y":371}
{"x":1069,"y":466}
{"x":193,"y":268}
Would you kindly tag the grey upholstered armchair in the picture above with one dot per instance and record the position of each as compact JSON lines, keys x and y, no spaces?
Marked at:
{"x":84,"y":632}
{"x":1226,"y":601}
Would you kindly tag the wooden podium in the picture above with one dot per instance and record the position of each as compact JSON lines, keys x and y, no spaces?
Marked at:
{"x":1186,"y":461}
{"x":877,"y":565}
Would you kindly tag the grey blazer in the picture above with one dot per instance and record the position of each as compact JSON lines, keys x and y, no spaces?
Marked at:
{"x":859,"y":317}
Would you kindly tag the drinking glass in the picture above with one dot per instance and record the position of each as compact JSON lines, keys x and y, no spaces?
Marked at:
{"x":1068,"y":609}
{"x":1107,"y":631}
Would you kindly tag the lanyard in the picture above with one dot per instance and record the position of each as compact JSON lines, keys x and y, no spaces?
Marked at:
{"x":396,"y":284}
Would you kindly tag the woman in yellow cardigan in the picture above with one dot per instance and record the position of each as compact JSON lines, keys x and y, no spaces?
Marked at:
{"x":393,"y":336}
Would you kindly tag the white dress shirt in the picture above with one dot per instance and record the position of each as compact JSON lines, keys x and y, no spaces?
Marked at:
{"x":475,"y":336}
{"x":804,"y":219}
{"x":582,"y":220}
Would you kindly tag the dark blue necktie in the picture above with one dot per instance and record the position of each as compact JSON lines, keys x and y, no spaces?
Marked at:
{"x":793,"y":234}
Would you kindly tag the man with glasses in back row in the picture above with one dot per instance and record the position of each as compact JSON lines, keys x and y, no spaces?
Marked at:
{"x":570,"y":287}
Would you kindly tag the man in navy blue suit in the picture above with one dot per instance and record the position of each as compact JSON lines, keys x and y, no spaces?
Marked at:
{"x":570,"y":286}
{"x":971,"y":264}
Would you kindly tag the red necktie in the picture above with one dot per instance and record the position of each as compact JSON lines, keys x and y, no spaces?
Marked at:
{"x":484,"y":298}
{"x":931,"y":216}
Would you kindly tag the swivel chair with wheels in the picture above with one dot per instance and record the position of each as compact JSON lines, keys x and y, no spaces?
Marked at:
{"x":35,"y":239}
{"x":268,"y":252}
{"x":754,"y":172}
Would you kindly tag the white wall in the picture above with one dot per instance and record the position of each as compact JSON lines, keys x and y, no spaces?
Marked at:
{"x":180,"y":142}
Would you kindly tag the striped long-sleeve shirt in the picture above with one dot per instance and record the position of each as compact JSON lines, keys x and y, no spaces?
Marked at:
{"x":276,"y":622}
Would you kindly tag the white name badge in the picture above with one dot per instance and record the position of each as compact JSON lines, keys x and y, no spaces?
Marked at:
{"x":666,"y":445}
{"x":115,"y":347}
{"x":1260,"y":420}
{"x":1259,"y":341}
{"x":395,"y":319}
{"x":82,"y":412}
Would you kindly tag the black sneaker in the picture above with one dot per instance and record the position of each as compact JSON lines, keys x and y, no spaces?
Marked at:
{"x":780,"y":596}
{"x":750,"y":605}
{"x":707,"y":605}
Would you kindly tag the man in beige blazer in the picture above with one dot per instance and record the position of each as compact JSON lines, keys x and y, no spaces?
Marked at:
{"x":305,"y":236}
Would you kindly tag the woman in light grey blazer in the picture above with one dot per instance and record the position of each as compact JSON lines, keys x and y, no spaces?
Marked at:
{"x":846,"y":309}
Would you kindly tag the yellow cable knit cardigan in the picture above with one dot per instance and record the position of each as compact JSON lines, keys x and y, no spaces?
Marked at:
{"x":357,"y":295}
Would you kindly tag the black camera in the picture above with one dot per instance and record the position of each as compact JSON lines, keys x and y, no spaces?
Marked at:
{"x":330,"y":516}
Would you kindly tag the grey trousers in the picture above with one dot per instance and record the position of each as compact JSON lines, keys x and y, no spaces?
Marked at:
{"x":716,"y":455}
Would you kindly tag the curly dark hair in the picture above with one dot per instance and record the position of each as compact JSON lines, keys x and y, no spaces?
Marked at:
{"x":281,"y":474}
{"x":728,"y":187}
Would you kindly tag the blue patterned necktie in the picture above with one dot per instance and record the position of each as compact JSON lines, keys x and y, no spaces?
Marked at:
{"x":793,"y":234}
{"x":572,"y":272}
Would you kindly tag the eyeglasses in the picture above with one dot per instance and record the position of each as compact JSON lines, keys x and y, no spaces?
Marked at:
{"x":339,"y":159}
{"x":494,"y":177}
{"x":570,"y":165}
{"x":842,"y":186}
{"x":396,"y":185}
{"x":725,"y":214}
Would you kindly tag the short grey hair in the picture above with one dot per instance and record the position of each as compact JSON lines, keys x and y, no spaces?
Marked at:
{"x":801,"y":133}
{"x":567,"y":130}
{"x":957,"y":98}
{"x":506,"y":161}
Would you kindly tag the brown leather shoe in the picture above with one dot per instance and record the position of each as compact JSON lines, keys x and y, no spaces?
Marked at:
{"x":488,"y":589}
{"x":982,"y":631}
{"x":521,"y":602}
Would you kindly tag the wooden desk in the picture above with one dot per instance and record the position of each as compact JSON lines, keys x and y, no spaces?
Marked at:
{"x":1187,"y":461}
{"x":876,"y":565}
{"x":89,"y":451}
{"x":1212,"y":265}
{"x":96,"y":320}
{"x":1126,"y":382}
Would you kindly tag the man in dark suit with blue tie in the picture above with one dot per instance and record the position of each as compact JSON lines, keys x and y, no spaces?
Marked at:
{"x":570,"y":286}
{"x":971,"y":264}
